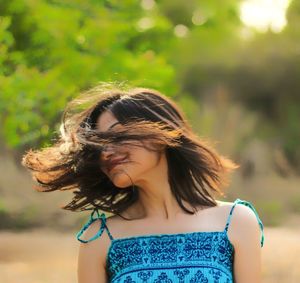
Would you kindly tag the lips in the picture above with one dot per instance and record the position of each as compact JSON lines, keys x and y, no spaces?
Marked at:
{"x":114,"y":162}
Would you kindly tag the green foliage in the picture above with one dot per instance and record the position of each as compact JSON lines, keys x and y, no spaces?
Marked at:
{"x":261,"y":73}
{"x":294,"y":204}
{"x":273,"y":212}
{"x":3,"y":209}
{"x":26,"y":218}
{"x":51,"y":50}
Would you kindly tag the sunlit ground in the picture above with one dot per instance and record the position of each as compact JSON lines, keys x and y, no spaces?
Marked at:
{"x":265,"y":14}
{"x":38,"y":257}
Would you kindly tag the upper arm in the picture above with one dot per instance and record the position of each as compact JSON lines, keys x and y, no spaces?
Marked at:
{"x":245,"y":234}
{"x":91,"y":257}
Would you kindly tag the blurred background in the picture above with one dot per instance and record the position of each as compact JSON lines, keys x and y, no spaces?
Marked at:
{"x":232,"y":65}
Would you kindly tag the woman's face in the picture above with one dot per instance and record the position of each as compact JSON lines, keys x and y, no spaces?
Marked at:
{"x":125,"y":164}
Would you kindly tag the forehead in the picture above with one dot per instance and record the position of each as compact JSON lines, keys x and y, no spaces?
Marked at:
{"x":106,"y":121}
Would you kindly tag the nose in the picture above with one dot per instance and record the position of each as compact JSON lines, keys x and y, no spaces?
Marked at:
{"x":107,"y":151}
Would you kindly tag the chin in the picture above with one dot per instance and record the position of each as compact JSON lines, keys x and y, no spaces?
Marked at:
{"x":120,"y":179}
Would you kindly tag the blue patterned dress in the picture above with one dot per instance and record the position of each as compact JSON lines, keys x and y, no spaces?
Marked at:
{"x":196,"y":257}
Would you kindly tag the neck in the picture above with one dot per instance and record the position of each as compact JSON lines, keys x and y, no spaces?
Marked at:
{"x":155,"y":197}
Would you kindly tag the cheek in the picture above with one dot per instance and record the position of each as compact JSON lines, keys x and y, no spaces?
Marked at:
{"x":144,"y":160}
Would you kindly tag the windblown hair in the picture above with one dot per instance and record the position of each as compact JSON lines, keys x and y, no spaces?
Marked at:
{"x":195,"y":169}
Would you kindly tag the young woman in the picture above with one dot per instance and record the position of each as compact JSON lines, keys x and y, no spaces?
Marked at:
{"x":132,"y":153}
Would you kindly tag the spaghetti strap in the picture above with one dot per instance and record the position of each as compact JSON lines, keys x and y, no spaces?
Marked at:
{"x":247,"y":203}
{"x":100,"y":231}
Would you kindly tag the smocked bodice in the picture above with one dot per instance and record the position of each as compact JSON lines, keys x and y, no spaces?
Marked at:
{"x":185,"y":257}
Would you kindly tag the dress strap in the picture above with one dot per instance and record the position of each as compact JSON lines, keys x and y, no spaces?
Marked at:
{"x":247,"y":203}
{"x":100,"y":231}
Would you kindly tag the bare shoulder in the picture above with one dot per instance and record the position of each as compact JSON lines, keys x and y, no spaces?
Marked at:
{"x":223,"y":208}
{"x":96,"y":249}
{"x":244,"y":227}
{"x":114,"y":221}
{"x":116,"y":224}
{"x":92,"y":255}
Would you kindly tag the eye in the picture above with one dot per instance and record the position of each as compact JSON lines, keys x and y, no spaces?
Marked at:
{"x":113,"y":125}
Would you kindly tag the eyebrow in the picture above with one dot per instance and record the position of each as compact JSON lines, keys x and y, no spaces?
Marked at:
{"x":113,"y":125}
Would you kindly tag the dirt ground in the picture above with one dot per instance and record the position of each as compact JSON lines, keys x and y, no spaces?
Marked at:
{"x":44,"y":256}
{"x":38,"y":257}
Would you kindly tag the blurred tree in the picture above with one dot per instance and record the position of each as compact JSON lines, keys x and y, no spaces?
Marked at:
{"x":51,"y":50}
{"x":267,"y":80}
{"x":261,"y":73}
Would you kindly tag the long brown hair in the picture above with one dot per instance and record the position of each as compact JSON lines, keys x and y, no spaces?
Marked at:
{"x":195,"y":169}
